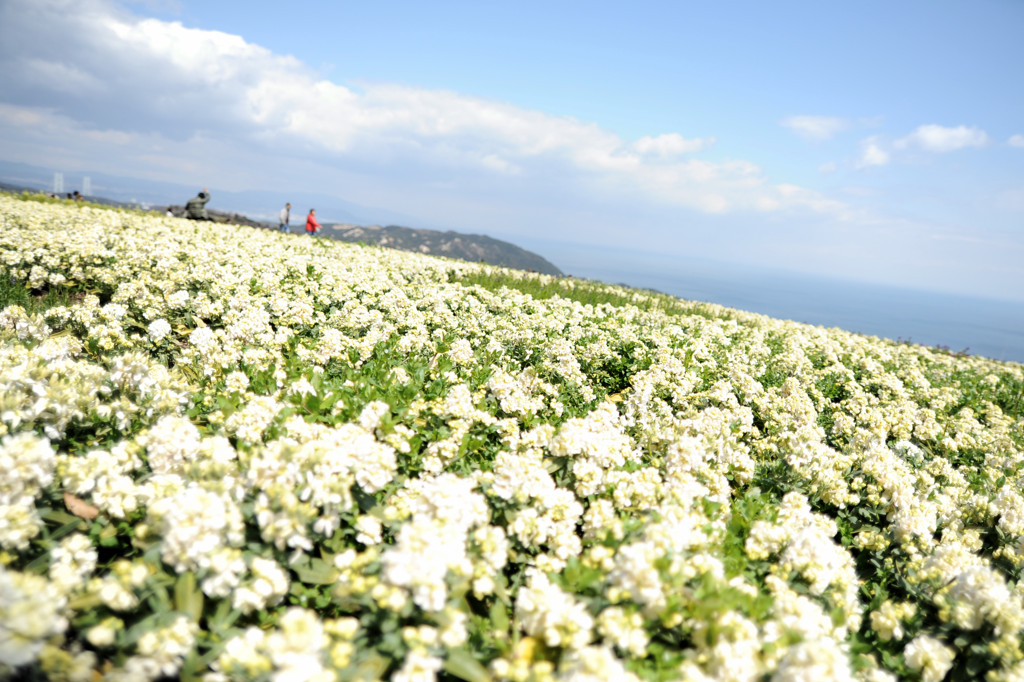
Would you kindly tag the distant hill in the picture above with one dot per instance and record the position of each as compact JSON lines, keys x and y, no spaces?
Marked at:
{"x":470,"y":247}
{"x":260,"y":205}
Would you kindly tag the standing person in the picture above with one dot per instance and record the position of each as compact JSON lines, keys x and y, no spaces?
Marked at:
{"x":195,"y":209}
{"x":312,"y":226}
{"x":284,"y":218}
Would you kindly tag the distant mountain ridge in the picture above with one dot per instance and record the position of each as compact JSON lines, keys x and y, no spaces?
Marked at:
{"x":469,"y":247}
{"x":262,"y":205}
{"x":451,"y":244}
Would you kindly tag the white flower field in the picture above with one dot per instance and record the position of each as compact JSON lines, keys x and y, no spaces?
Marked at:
{"x":232,"y":454}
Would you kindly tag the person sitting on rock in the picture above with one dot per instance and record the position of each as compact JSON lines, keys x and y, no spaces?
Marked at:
{"x":195,"y":209}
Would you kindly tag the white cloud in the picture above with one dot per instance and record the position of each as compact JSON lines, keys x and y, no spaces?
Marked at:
{"x":672,"y":144}
{"x":41,"y":137}
{"x":872,"y":154}
{"x":936,"y":138}
{"x":62,"y":77}
{"x":43,"y":124}
{"x":496,"y":163}
{"x":157,"y":80}
{"x":31,"y":120}
{"x":1016,"y":141}
{"x":828,"y":167}
{"x":815,"y":127}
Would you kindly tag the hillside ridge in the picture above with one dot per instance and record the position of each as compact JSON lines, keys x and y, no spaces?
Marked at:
{"x":448,"y":243}
{"x":470,"y":247}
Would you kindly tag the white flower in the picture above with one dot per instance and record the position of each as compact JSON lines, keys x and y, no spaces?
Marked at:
{"x":930,"y":656}
{"x":30,"y":613}
{"x":170,"y":444}
{"x":236,"y":382}
{"x":419,"y":666}
{"x":369,"y":530}
{"x":159,"y":329}
{"x":372,"y":413}
{"x":302,"y":387}
{"x":593,"y":664}
{"x":27,"y":462}
{"x":267,"y":587}
{"x":251,"y":421}
{"x":637,"y":492}
{"x":445,"y":509}
{"x":105,"y":632}
{"x":196,"y":524}
{"x":814,"y":661}
{"x":887,"y":621}
{"x":551,"y":614}
{"x":168,"y":646}
{"x":179,"y":299}
{"x":73,"y":562}
{"x":203,"y":339}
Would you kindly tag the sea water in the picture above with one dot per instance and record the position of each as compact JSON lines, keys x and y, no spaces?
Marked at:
{"x":978,"y":326}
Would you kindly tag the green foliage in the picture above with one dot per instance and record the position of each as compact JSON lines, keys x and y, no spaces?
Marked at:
{"x":34,"y":301}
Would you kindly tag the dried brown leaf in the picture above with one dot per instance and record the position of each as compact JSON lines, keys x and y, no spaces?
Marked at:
{"x":80,"y":507}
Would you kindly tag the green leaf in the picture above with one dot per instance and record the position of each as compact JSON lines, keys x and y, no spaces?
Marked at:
{"x":371,"y":668}
{"x":501,"y":589}
{"x":461,"y":664}
{"x":67,"y":529}
{"x":39,"y":564}
{"x":189,"y":667}
{"x":499,"y":616}
{"x":316,"y":572}
{"x":329,"y":401}
{"x":191,"y":374}
{"x":108,"y":536}
{"x":58,"y":516}
{"x":187,"y":596}
{"x":555,"y":464}
{"x":223,"y":618}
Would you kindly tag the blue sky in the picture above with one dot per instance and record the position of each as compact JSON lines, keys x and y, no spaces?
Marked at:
{"x":875,"y":141}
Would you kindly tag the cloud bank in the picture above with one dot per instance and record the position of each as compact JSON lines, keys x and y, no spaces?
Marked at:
{"x":872,"y":154}
{"x":936,"y":138}
{"x":816,"y":127}
{"x":90,"y":85}
{"x":98,"y":71}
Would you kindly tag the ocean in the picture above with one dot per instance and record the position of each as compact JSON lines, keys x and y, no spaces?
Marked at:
{"x":987,"y":327}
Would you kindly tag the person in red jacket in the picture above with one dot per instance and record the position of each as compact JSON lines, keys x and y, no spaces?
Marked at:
{"x":312,"y":226}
